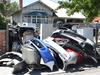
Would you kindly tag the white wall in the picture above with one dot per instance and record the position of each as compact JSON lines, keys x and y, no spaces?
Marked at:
{"x":46,"y":30}
{"x":86,"y":32}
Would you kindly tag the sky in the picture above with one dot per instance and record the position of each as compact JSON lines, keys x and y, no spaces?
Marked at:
{"x":27,"y":2}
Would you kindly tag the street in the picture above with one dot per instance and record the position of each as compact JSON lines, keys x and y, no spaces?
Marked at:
{"x":71,"y":71}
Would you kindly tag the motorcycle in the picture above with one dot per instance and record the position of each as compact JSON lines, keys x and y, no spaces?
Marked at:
{"x":50,"y":52}
{"x":67,"y":53}
{"x":72,"y":35}
{"x":35,"y":55}
{"x":84,"y":44}
{"x":43,"y":51}
{"x":66,"y":57}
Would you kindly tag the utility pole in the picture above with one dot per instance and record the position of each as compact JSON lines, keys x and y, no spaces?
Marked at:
{"x":21,"y":4}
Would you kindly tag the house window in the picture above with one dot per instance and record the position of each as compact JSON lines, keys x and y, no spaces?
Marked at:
{"x":24,"y":18}
{"x":46,"y":20}
{"x":29,"y":19}
{"x":38,"y":20}
{"x":33,"y":19}
{"x":42,"y":19}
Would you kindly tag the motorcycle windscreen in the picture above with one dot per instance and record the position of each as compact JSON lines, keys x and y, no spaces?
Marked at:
{"x":44,"y":51}
{"x":46,"y":55}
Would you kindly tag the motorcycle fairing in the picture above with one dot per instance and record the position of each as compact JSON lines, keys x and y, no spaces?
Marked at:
{"x":39,"y":45}
{"x":68,"y":57}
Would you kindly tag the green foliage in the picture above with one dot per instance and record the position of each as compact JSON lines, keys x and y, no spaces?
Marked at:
{"x":89,"y":8}
{"x":2,"y":7}
{"x":11,"y":8}
{"x":6,"y":9}
{"x":3,"y":22}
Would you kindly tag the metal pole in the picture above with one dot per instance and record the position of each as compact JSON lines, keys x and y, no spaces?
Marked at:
{"x":7,"y":38}
{"x":96,"y":35}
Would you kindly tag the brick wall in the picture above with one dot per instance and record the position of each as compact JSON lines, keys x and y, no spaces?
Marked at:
{"x":2,"y":41}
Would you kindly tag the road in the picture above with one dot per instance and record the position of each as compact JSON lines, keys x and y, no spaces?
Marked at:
{"x":83,"y":69}
{"x":72,"y":71}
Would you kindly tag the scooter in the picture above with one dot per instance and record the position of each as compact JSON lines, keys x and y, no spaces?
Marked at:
{"x":67,"y":57}
{"x":44,"y":52}
{"x":64,"y":43}
{"x":85,"y":44}
{"x":35,"y":55}
{"x":72,"y":35}
{"x":68,"y":54}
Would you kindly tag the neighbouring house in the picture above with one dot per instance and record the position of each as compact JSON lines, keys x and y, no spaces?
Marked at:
{"x":43,"y":12}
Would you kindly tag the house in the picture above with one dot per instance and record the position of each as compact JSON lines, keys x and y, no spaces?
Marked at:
{"x":43,"y":12}
{"x":35,"y":13}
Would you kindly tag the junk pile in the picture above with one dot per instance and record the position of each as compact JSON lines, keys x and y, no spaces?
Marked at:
{"x":62,"y":48}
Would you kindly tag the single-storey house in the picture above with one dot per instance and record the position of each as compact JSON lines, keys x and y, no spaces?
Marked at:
{"x":44,"y":12}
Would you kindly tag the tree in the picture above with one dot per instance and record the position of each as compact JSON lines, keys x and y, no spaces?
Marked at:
{"x":89,"y":8}
{"x":6,"y":9}
{"x":3,"y":22}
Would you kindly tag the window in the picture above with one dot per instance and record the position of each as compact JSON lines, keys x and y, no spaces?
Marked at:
{"x":46,"y":20}
{"x":29,"y":19}
{"x":38,"y":20}
{"x":33,"y":19}
{"x":24,"y":18}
